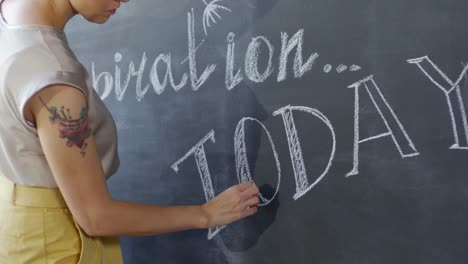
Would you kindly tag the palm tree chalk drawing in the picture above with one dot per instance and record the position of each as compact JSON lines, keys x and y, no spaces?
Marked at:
{"x":211,"y":13}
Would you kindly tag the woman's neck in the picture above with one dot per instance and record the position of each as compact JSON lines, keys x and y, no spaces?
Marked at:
{"x":55,"y":13}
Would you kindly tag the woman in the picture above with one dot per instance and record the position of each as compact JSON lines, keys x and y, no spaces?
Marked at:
{"x":58,"y":147}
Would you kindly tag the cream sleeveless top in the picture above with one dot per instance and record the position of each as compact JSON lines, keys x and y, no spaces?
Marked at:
{"x":33,"y":57}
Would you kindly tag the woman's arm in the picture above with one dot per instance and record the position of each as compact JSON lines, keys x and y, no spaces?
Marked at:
{"x":60,"y":115}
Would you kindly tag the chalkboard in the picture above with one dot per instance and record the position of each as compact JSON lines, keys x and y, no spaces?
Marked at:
{"x":349,"y":115}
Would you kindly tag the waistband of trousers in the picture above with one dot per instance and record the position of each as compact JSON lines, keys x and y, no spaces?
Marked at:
{"x":22,"y":195}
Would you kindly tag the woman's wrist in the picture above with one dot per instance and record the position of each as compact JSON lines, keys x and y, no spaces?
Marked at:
{"x":202,"y":217}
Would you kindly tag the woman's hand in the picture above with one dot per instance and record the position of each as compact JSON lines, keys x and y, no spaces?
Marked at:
{"x":233,"y":204}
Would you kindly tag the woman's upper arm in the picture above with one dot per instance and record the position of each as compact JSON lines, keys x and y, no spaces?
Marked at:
{"x":60,"y":114}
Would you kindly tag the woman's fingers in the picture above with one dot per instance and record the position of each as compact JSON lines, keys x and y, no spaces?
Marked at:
{"x":252,"y":191}
{"x":248,"y":212}
{"x":237,"y":202}
{"x":244,"y":186}
{"x":251,"y":202}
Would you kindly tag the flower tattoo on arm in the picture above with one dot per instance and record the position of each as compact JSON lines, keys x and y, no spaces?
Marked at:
{"x":75,"y":131}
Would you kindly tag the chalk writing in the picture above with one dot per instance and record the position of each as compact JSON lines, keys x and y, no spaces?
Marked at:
{"x":354,"y":68}
{"x":327,"y":68}
{"x":242,"y":164}
{"x":295,"y":150}
{"x":255,"y":68}
{"x":251,"y":61}
{"x":210,"y":12}
{"x":202,"y":165}
{"x":453,"y":96}
{"x":196,"y":81}
{"x":159,"y":86}
{"x":232,"y":80}
{"x":405,"y":146}
{"x":300,"y":68}
{"x":159,"y":81}
{"x":341,"y":68}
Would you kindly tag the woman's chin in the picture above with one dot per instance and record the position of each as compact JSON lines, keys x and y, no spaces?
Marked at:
{"x":98,"y":19}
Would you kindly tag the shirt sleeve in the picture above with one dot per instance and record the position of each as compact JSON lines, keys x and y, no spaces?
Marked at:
{"x":41,"y":81}
{"x":36,"y":68}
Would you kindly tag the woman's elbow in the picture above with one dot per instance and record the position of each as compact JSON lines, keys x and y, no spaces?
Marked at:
{"x":90,"y":226}
{"x":93,"y":222}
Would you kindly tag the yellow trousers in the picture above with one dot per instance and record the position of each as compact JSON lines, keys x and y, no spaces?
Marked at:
{"x":36,"y":227}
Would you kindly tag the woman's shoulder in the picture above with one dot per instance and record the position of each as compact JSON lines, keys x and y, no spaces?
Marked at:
{"x":35,"y":60}
{"x":39,"y":57}
{"x":39,"y":46}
